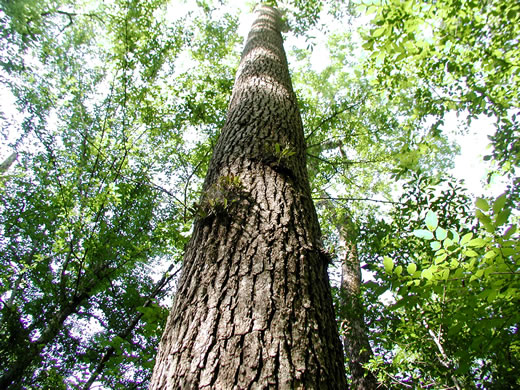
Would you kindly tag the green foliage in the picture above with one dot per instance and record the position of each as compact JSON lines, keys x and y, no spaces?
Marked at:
{"x":454,"y":319}
{"x":453,"y":55}
{"x":453,"y":322}
{"x":357,"y":148}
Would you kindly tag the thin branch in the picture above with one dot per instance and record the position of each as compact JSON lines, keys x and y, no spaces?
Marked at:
{"x":396,"y":380}
{"x":346,"y":163}
{"x":4,"y":167}
{"x":445,"y":360}
{"x":334,"y":166}
{"x":358,"y":199}
{"x":332,"y":116}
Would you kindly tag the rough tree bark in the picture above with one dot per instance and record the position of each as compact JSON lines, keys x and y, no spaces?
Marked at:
{"x":355,"y":338}
{"x":254,"y":308}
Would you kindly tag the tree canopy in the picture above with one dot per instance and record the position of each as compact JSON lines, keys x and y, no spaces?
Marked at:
{"x":117,"y":106}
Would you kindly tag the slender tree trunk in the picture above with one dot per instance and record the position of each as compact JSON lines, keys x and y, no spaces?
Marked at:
{"x":4,"y":167}
{"x":254,"y":308}
{"x":355,"y":338}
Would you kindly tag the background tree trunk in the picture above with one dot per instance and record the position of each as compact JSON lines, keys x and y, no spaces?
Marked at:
{"x":254,"y":307}
{"x":355,"y":338}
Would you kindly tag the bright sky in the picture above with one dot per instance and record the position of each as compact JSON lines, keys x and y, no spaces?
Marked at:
{"x":469,"y":164}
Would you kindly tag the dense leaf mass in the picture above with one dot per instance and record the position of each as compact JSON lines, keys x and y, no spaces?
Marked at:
{"x":110,"y":111}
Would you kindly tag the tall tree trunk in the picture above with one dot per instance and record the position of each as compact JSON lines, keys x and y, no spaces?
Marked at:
{"x":254,"y":308}
{"x":355,"y":338}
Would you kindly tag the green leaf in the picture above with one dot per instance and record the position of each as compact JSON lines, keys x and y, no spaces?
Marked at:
{"x":421,"y":233}
{"x":509,"y":251}
{"x":371,"y":9}
{"x":431,"y":220}
{"x":459,"y":272}
{"x":439,"y":259}
{"x":477,"y":243}
{"x":411,"y":268}
{"x":441,"y":234}
{"x":388,"y":264}
{"x":398,"y":270}
{"x":509,"y":232}
{"x":470,"y":253}
{"x":448,"y":243}
{"x":492,"y":295}
{"x":482,"y":204}
{"x":466,"y":238}
{"x":499,"y":203}
{"x":485,"y":221}
{"x":435,"y":245}
{"x":378,"y":32}
{"x":368,"y":45}
{"x":502,"y":217}
{"x":117,"y":341}
{"x":456,"y":237}
{"x":427,"y":274}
